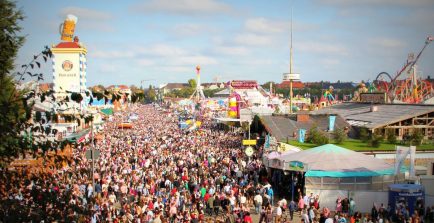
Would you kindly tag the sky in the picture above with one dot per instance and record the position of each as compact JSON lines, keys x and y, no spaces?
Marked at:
{"x":160,"y":41}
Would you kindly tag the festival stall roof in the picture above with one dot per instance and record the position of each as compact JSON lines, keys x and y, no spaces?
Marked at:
{"x":360,"y":114}
{"x":283,"y":127}
{"x":107,"y":111}
{"x":333,"y":161}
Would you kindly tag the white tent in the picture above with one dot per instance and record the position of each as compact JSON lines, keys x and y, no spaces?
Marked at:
{"x":334,"y":161}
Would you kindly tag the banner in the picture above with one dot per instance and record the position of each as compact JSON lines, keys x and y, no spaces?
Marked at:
{"x":412,"y":157}
{"x":301,"y":135}
{"x":267,"y":141}
{"x":401,"y":154}
{"x":332,"y":119}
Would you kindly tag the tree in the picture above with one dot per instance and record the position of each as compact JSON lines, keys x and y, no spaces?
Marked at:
{"x":192,"y":83}
{"x":339,"y":135}
{"x":391,"y":137}
{"x":10,"y":41}
{"x":416,"y":137}
{"x":364,"y":135}
{"x":266,"y":85}
{"x":317,"y":136}
{"x":376,"y":140}
{"x":151,"y":95}
{"x":13,"y":111}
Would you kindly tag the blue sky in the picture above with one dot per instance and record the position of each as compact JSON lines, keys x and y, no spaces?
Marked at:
{"x":164,"y":40}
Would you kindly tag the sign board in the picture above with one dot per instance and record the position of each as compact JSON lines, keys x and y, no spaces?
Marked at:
{"x":89,"y":154}
{"x":288,"y":76}
{"x":295,"y":166}
{"x":249,"y":151}
{"x":249,"y":142}
{"x":376,"y":98}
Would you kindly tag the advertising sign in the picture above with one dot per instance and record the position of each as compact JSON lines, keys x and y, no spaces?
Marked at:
{"x":249,"y":142}
{"x":67,"y":72}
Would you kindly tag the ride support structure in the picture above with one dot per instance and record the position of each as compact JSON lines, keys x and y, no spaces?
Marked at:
{"x":406,"y":86}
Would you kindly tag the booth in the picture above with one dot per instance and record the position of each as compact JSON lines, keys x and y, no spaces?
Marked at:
{"x":411,"y":196}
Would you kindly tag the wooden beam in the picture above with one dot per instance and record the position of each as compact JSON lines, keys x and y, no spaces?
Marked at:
{"x":410,"y":127}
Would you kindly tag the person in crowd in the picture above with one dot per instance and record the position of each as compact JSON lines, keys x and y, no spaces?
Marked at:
{"x":292,"y":207}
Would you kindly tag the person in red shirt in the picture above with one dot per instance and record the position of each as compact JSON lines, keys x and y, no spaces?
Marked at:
{"x":206,"y":197}
{"x":247,"y":218}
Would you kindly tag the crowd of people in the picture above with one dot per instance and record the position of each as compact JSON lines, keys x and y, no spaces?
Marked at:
{"x":154,"y":172}
{"x":157,"y":172}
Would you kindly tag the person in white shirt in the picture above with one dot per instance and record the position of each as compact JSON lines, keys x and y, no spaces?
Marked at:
{"x":304,"y":216}
{"x":258,"y":203}
{"x":278,"y":213}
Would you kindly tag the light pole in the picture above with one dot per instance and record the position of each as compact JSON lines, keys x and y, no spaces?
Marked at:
{"x":93,"y":157}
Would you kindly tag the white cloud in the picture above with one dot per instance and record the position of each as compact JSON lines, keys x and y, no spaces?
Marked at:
{"x":321,"y":48}
{"x":108,"y":68}
{"x":177,"y":69}
{"x":253,"y":39}
{"x":162,"y":50}
{"x":145,"y":62}
{"x":183,"y":7}
{"x":384,"y":42}
{"x":388,"y":3}
{"x":232,"y":50}
{"x":191,"y":60}
{"x":263,"y":25}
{"x":191,"y":29}
{"x":89,"y":18}
{"x":86,"y":13}
{"x":112,"y":54}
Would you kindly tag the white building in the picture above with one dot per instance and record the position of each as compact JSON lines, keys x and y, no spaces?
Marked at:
{"x":69,"y":67}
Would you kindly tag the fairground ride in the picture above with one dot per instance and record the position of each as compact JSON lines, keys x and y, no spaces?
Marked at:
{"x":406,"y":87}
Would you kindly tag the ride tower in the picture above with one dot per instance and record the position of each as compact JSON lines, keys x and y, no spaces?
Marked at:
{"x":198,"y":94}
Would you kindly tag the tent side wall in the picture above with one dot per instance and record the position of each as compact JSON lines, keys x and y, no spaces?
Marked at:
{"x":375,"y":183}
{"x":364,"y":190}
{"x":364,"y":199}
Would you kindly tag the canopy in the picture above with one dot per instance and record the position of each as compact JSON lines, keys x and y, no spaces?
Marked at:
{"x":107,"y":111}
{"x":334,"y":161}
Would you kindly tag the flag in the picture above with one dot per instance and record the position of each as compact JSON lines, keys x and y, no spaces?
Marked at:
{"x":301,"y":135}
{"x":332,"y":119}
{"x":401,"y":154}
{"x":267,"y":141}
{"x":412,"y":156}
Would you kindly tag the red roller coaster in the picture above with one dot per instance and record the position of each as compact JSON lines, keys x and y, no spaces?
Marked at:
{"x":408,"y":88}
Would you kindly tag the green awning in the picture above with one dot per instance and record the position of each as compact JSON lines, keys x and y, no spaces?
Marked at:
{"x":107,"y":111}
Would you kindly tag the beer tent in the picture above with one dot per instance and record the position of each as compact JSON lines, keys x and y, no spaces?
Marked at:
{"x":335,"y":168}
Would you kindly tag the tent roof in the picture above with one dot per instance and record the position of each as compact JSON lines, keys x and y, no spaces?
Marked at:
{"x":328,"y":160}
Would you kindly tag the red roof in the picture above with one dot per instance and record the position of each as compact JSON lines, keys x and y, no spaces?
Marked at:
{"x":68,"y":45}
{"x":295,"y":84}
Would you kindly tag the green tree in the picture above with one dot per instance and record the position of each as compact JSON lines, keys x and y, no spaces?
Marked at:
{"x":339,"y":135}
{"x":192,"y":83}
{"x":391,"y":136}
{"x":317,"y":136}
{"x":151,"y":94}
{"x":10,"y":40}
{"x":364,"y":135}
{"x":376,"y":140}
{"x":416,"y":137}
{"x":13,"y":110}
